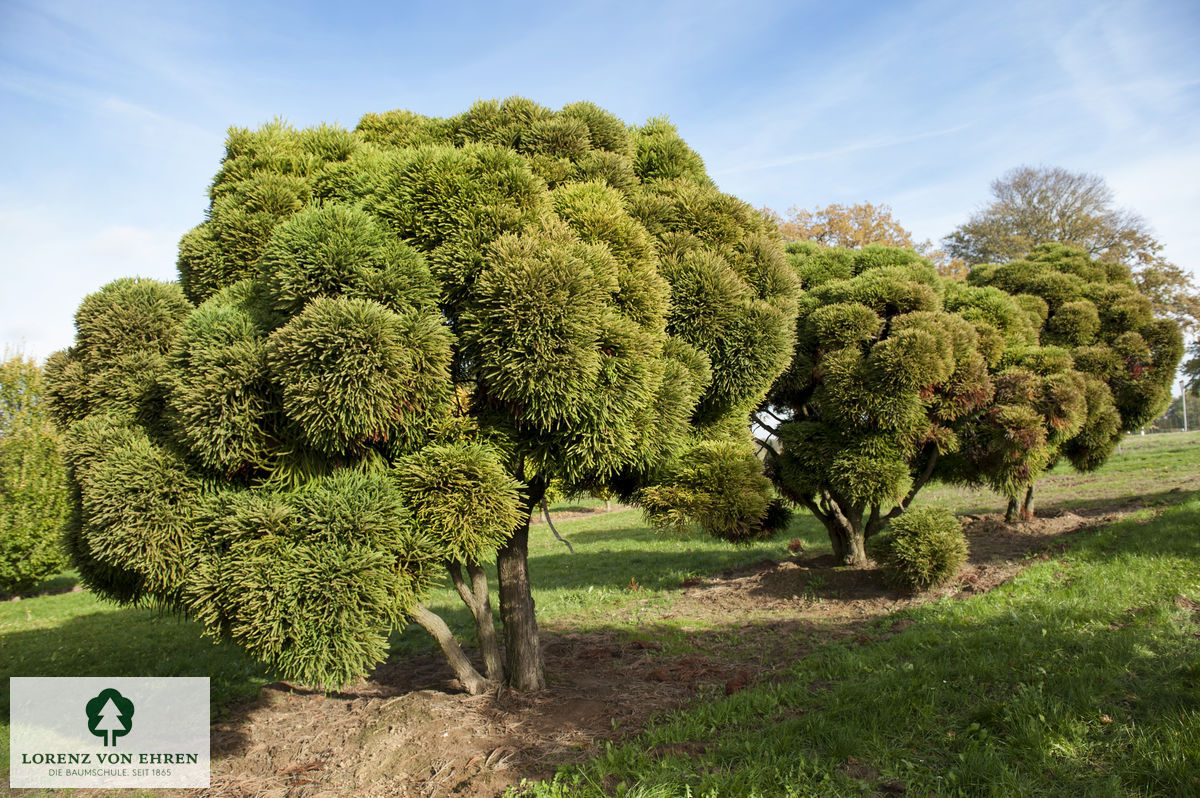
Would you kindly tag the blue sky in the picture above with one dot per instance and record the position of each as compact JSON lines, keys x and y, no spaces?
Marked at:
{"x":112,"y":115}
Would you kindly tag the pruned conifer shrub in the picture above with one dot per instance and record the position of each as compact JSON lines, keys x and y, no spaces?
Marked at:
{"x":384,"y":345}
{"x":922,"y":549}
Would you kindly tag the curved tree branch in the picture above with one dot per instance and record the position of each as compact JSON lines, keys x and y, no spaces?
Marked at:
{"x":754,"y":417}
{"x":470,"y":679}
{"x":476,"y":597}
{"x":546,"y":515}
{"x":460,"y":584}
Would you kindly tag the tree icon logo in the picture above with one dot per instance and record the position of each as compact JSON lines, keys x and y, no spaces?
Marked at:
{"x":110,"y":715}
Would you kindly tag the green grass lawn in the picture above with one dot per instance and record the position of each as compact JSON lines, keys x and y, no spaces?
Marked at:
{"x":1148,"y":469}
{"x":1081,"y":677}
{"x":621,"y":568}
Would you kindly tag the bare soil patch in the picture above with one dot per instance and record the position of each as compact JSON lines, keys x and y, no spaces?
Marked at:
{"x":409,"y":731}
{"x":816,"y":589}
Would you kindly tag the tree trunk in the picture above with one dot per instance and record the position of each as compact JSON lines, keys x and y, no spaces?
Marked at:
{"x":847,"y":536}
{"x":523,"y":654}
{"x":853,"y":535}
{"x":526,"y":671}
{"x":1020,"y":511}
{"x":848,"y":530}
{"x":470,"y":679}
{"x":488,"y":643}
{"x":1027,"y":507}
{"x":475,"y":596}
{"x":855,"y":551}
{"x":850,"y":548}
{"x":844,"y":524}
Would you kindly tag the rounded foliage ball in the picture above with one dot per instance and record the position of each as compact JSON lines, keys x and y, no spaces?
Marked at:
{"x":660,"y":154}
{"x":450,"y":202}
{"x":129,"y":316}
{"x":311,"y":581}
{"x":352,"y":372}
{"x":218,"y":388}
{"x":462,"y":495}
{"x":335,"y":250}
{"x":138,"y":505}
{"x":922,"y":548}
{"x":719,"y":487}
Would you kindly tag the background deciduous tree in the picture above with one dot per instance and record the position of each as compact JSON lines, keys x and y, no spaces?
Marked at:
{"x":1173,"y":418}
{"x":850,"y":226}
{"x":1041,"y":205}
{"x":33,"y":488}
{"x":859,"y":225}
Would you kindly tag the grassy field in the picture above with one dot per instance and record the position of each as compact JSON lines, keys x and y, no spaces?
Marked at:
{"x":621,"y":569}
{"x":935,"y":707}
{"x":1081,"y":677}
{"x":1147,"y":470}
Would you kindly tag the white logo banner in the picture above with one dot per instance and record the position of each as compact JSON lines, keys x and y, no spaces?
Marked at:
{"x":108,"y":732}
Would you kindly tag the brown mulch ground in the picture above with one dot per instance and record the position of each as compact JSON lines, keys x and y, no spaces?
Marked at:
{"x":408,"y":730}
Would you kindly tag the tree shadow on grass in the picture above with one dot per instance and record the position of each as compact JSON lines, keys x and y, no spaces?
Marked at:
{"x":66,"y":582}
{"x":129,"y":642}
{"x":1107,"y":504}
{"x":803,"y":525}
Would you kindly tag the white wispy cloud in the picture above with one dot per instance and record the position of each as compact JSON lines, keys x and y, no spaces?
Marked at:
{"x":48,"y":270}
{"x":872,"y":143}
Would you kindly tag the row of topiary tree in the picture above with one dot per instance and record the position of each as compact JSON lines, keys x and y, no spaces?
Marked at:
{"x":386,"y":343}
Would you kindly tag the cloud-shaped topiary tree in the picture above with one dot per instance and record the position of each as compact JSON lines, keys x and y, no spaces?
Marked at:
{"x":383,"y":346}
{"x":883,"y":377}
{"x":1098,"y":365}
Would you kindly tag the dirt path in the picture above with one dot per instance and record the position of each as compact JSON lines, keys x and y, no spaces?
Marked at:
{"x":407,"y":731}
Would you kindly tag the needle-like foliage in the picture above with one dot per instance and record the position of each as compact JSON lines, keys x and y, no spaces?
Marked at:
{"x":883,"y":379}
{"x":1104,"y":367}
{"x":384,"y":345}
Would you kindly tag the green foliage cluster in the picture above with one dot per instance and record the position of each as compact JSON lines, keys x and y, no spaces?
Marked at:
{"x":1102,"y":366}
{"x":1037,"y":402}
{"x":921,"y":549}
{"x":719,"y":488}
{"x":33,"y":488}
{"x":884,"y":376}
{"x":384,"y":344}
